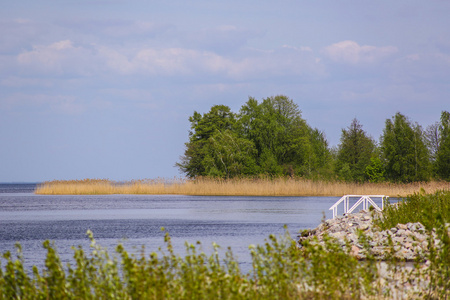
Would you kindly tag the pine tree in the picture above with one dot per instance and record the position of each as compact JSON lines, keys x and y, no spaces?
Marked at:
{"x":354,"y":153}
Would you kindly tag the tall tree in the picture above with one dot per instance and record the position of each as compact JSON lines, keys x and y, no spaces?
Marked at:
{"x":443,"y":152}
{"x":354,"y":153}
{"x":404,"y":151}
{"x":203,"y":127}
{"x":268,"y":137}
{"x":318,"y":158}
{"x":281,"y":136}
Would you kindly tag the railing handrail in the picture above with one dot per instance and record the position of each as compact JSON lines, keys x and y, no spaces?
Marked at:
{"x":354,"y":196}
{"x":365,"y":199}
{"x":339,"y":201}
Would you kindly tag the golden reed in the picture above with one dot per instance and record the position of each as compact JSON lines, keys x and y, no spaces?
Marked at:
{"x":235,"y":187}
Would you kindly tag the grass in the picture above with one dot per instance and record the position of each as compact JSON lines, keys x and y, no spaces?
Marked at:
{"x":432,"y":210}
{"x":235,"y":187}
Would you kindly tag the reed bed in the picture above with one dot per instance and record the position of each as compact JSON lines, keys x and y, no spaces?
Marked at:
{"x":235,"y":187}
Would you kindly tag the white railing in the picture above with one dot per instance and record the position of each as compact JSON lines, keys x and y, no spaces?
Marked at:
{"x":366,"y":200}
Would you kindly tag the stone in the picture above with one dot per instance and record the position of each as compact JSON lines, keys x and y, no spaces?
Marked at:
{"x":364,"y":227}
{"x":354,"y":251}
{"x":400,"y":232}
{"x":402,"y":226}
{"x":398,"y":239}
{"x":410,"y":240}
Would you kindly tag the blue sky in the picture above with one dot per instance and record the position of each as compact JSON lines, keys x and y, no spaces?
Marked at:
{"x":104,"y":88}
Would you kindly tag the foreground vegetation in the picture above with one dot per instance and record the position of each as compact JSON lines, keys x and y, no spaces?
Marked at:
{"x":280,"y":270}
{"x":431,"y":210}
{"x":235,"y":187}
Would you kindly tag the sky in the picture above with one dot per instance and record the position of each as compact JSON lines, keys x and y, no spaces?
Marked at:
{"x":104,"y":88}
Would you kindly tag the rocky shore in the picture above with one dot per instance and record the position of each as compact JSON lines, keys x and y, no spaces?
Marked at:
{"x":409,"y":241}
{"x":405,"y":242}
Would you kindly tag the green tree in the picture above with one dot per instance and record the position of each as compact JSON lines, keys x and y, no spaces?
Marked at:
{"x":404,"y":152}
{"x":283,"y":140}
{"x":203,"y":127}
{"x":268,"y":137}
{"x":432,"y":140}
{"x":375,"y":170}
{"x":354,"y":153}
{"x":318,"y":159}
{"x":220,"y":117}
{"x":442,"y":163}
{"x":228,"y":155}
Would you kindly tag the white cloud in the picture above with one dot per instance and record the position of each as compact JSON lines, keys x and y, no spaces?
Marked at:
{"x":351,"y":52}
{"x":59,"y":58}
{"x":67,"y":58}
{"x":189,"y":62}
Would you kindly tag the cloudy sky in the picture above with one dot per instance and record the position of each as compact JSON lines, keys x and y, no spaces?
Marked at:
{"x":104,"y":88}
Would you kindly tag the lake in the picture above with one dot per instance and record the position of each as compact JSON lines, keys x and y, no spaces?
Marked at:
{"x":136,"y":220}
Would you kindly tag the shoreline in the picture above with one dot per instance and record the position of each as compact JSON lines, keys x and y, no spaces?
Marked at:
{"x":283,"y":187}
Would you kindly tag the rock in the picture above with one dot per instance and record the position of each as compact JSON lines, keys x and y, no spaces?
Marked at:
{"x":409,"y":240}
{"x":364,"y":227}
{"x":402,"y":226}
{"x":398,"y":239}
{"x":354,"y":251}
{"x":400,"y":232}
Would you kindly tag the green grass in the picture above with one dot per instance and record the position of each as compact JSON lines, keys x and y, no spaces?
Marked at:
{"x":432,"y":210}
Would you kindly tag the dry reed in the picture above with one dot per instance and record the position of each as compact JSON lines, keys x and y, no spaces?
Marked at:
{"x":235,"y":187}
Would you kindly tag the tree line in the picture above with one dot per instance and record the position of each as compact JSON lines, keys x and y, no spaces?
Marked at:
{"x":271,"y":138}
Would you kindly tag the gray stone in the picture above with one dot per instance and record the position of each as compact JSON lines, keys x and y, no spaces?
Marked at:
{"x":410,"y":240}
{"x":400,"y":232}
{"x":364,"y":227}
{"x":402,"y":226}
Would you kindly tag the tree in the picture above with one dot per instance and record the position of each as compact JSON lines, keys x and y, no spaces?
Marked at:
{"x":405,"y":155}
{"x":442,"y":163}
{"x":375,"y":170}
{"x":268,"y":137}
{"x":432,"y":139}
{"x":354,"y":153}
{"x":318,"y":158}
{"x":203,"y":127}
{"x":228,"y":155}
{"x":281,"y":136}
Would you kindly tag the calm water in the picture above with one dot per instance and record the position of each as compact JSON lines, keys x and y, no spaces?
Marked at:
{"x":136,"y":220}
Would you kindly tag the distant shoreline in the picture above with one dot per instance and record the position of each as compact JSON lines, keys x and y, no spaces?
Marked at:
{"x":234,"y":187}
